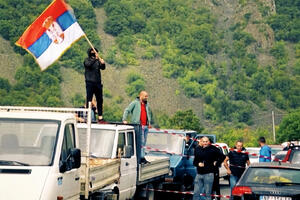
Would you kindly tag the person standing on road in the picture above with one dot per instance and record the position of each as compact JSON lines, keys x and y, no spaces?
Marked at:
{"x":140,"y":114}
{"x":93,"y":64}
{"x":216,"y":183}
{"x":265,"y":150}
{"x":205,"y":160}
{"x":238,"y":161}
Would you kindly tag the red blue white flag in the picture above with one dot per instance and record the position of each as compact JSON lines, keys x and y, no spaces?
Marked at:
{"x":51,"y":34}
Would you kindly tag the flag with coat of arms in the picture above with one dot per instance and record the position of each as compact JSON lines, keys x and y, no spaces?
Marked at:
{"x":51,"y":34}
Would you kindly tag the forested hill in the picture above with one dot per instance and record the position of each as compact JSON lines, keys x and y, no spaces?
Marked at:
{"x":217,"y":61}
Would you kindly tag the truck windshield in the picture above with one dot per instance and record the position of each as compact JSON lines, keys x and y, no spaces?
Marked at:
{"x":171,"y":143}
{"x":27,"y":142}
{"x":101,"y":142}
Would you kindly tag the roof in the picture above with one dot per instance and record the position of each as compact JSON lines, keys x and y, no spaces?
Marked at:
{"x":37,"y":115}
{"x":106,"y":126}
{"x":276,"y":165}
{"x":153,"y":130}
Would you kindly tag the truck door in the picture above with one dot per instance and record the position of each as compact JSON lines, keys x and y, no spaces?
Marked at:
{"x":68,"y":181}
{"x":128,"y":164}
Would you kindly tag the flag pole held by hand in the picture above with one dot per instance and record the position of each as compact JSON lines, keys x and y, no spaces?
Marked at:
{"x":92,"y":47}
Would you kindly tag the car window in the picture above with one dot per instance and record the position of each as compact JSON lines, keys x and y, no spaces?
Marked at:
{"x":296,"y":157}
{"x":130,"y":142}
{"x":121,"y":144}
{"x":271,"y":175}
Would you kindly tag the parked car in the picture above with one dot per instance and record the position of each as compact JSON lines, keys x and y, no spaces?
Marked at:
{"x":253,"y":154}
{"x":280,"y":156}
{"x":268,"y":181}
{"x":293,"y":155}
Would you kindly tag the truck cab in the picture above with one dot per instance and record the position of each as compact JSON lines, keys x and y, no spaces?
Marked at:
{"x":39,"y":158}
{"x":179,"y":146}
{"x":118,"y":141}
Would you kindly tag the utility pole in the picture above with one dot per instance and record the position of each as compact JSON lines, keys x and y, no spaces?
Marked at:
{"x":273,"y":124}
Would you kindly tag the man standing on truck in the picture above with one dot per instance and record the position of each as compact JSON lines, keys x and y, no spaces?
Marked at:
{"x":205,"y":160}
{"x":140,"y":114}
{"x":238,"y":161}
{"x":93,"y":64}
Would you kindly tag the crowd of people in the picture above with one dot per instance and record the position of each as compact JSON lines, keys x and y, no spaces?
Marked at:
{"x":208,"y":159}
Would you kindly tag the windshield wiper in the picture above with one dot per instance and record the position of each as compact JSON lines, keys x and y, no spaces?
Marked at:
{"x":285,"y":183}
{"x":12,"y":162}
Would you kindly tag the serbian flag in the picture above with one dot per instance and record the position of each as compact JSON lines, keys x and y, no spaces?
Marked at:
{"x":51,"y":34}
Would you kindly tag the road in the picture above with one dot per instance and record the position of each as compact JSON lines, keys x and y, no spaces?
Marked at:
{"x":224,"y":186}
{"x":225,"y":189}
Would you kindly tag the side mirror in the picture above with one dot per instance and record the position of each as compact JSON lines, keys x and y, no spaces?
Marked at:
{"x":127,"y":152}
{"x":71,"y":162}
{"x":75,"y":156}
{"x":62,"y":166}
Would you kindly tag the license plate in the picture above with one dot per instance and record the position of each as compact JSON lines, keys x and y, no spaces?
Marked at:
{"x":274,"y":198}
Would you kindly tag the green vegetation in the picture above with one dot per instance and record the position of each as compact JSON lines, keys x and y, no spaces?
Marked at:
{"x":182,"y":119}
{"x":34,"y":87}
{"x":135,"y":85}
{"x":289,"y":129}
{"x":286,"y":22}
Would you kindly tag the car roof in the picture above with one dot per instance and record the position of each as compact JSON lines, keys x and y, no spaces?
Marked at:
{"x":37,"y":115}
{"x":174,"y":131}
{"x":106,"y":126}
{"x":275,"y":165}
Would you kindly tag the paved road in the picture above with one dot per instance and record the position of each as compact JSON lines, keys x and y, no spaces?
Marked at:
{"x":225,"y":189}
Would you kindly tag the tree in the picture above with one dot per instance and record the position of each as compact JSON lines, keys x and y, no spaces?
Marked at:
{"x":289,"y":128}
{"x":186,"y":120}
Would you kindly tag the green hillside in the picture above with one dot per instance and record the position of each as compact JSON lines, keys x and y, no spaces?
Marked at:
{"x":230,"y":63}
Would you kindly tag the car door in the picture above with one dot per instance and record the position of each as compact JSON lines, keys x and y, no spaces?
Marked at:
{"x":69,"y":179}
{"x":128,"y":165}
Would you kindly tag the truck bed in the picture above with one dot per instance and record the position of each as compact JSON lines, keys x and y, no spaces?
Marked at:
{"x":102,"y":172}
{"x":157,"y":167}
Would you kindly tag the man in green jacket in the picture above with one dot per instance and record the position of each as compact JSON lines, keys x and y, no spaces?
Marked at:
{"x":140,"y":114}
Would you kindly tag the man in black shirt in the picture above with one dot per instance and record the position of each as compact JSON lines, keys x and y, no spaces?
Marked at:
{"x":238,"y":160}
{"x":206,"y":158}
{"x":93,"y":64}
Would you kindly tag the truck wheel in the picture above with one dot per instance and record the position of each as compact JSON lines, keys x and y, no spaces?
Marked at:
{"x":150,"y":193}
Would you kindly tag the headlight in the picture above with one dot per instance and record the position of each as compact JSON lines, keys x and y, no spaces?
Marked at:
{"x":170,"y":172}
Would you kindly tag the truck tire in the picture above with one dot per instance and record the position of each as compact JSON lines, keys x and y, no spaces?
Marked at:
{"x":150,"y":194}
{"x":144,"y":193}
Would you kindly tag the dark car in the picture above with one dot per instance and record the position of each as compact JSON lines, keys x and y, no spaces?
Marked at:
{"x":269,"y":181}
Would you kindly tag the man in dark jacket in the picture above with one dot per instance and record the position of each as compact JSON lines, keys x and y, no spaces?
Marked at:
{"x":93,"y":64}
{"x":206,"y":158}
{"x":238,"y":160}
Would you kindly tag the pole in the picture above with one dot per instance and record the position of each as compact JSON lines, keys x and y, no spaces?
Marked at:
{"x":87,"y":39}
{"x":87,"y":158}
{"x":273,"y":126}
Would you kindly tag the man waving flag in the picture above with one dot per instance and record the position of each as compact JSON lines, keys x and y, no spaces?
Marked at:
{"x":51,"y":34}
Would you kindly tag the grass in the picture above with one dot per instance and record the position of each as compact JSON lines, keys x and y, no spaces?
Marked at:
{"x":9,"y":61}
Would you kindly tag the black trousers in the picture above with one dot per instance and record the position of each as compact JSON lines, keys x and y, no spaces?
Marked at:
{"x":216,"y":184}
{"x":91,"y":89}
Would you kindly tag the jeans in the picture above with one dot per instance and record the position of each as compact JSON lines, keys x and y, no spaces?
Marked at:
{"x":203,"y":185}
{"x":144,"y":135}
{"x":233,"y":180}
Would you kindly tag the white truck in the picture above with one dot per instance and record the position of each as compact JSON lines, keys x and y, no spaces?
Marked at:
{"x":117,"y":141}
{"x":40,"y":157}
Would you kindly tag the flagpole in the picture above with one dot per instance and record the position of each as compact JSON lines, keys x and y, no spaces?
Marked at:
{"x":91,"y":45}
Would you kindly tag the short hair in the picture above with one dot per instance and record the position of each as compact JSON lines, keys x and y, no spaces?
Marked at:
{"x":262,"y":139}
